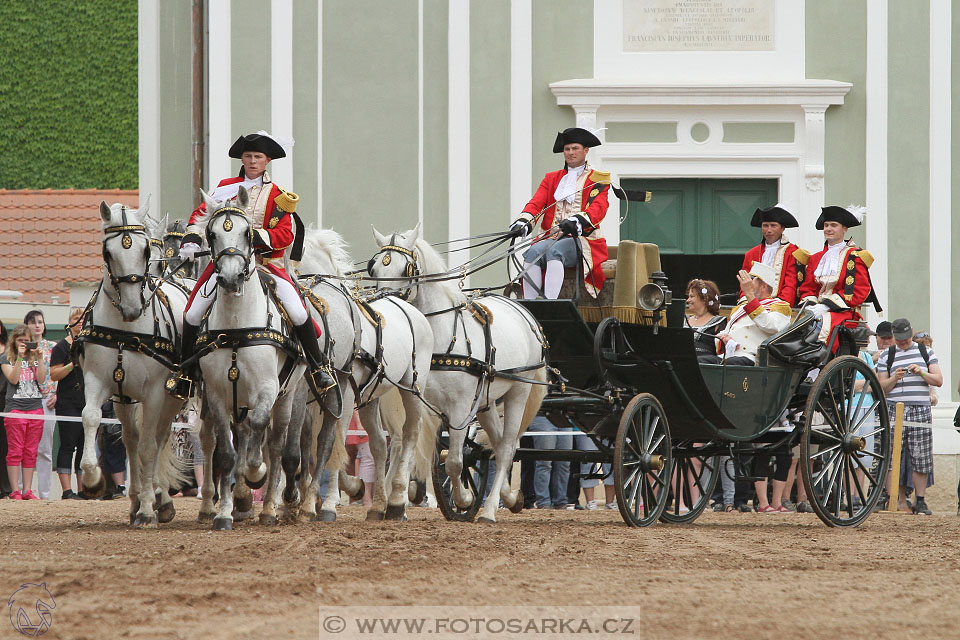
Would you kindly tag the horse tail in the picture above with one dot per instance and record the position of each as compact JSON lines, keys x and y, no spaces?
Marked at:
{"x":426,"y":448}
{"x":537,"y":393}
{"x":172,"y":470}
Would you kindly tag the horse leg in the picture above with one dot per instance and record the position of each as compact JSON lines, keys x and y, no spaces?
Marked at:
{"x":167,"y":467}
{"x":251,"y":454}
{"x":462,"y":496}
{"x":514,"y":402}
{"x":142,"y":447}
{"x":330,"y":429}
{"x":225,"y":459}
{"x":370,"y":418}
{"x":275,"y":437}
{"x":208,"y":442}
{"x":290,"y":461}
{"x":400,"y":465}
{"x":94,"y":397}
{"x":130,"y":435}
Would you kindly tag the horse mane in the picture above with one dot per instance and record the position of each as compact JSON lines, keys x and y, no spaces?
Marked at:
{"x":432,"y":263}
{"x":320,"y":244}
{"x":177,"y":226}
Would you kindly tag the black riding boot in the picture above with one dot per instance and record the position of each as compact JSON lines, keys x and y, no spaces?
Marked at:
{"x":317,"y":362}
{"x":182,"y":381}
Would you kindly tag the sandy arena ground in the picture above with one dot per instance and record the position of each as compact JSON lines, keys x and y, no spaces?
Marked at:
{"x":726,"y":576}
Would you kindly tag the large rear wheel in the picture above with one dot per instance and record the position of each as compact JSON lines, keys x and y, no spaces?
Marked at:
{"x":474,"y":476}
{"x":642,"y":461}
{"x":846,"y":446}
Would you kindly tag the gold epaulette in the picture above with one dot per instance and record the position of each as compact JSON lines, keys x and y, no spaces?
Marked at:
{"x":602,"y":177}
{"x":781,"y":307}
{"x":802,"y":256}
{"x":864,"y":255}
{"x":287,"y":201}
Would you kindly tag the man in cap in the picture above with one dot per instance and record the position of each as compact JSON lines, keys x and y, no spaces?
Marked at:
{"x":906,"y":372}
{"x":759,"y":316}
{"x":276,"y":228}
{"x":570,"y":204}
{"x":777,"y":251}
{"x":884,"y":335}
{"x":837,"y":279}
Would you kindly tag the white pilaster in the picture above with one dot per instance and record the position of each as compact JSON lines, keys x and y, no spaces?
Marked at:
{"x":148,"y":87}
{"x":813,"y":174}
{"x":521,"y":106}
{"x":876,"y":150}
{"x":458,"y":124}
{"x":320,"y":114}
{"x":281,"y":81}
{"x":219,"y":135}
{"x":941,"y":218}
{"x":420,"y":112}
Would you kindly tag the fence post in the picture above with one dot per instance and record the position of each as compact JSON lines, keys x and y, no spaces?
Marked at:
{"x":895,"y":463}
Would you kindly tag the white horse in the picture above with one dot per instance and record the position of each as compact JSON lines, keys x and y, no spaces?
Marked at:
{"x":126,"y":349}
{"x":369,"y":363}
{"x":471,"y":337}
{"x":247,"y":369}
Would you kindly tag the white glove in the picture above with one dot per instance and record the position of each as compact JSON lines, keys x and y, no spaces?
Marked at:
{"x":187,"y":250}
{"x":818,"y":310}
{"x":524,"y":228}
{"x":731,"y":347}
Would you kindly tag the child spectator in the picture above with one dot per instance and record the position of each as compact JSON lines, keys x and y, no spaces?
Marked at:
{"x":22,"y":365}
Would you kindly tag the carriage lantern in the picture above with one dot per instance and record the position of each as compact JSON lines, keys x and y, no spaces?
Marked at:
{"x":654,"y":296}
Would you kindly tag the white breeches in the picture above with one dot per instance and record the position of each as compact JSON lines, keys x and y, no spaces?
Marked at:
{"x":208,"y":292}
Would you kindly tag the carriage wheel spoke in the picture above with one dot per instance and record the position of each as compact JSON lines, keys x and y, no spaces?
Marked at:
{"x":865,"y":416}
{"x":826,"y":468}
{"x":836,"y":409}
{"x":824,"y":451}
{"x":874,"y":479}
{"x":825,"y":412}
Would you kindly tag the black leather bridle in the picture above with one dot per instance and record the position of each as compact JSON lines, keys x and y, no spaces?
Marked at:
{"x":227,"y":214}
{"x":125,"y":232}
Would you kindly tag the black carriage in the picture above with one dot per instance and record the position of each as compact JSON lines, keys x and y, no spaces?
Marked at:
{"x":632,"y":383}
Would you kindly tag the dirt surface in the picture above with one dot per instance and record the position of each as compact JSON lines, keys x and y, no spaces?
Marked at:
{"x":726,"y":576}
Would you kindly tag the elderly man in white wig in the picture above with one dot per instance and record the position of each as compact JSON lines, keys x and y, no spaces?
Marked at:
{"x":758,"y":317}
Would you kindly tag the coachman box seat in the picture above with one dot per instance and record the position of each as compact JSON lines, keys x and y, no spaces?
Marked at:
{"x":628,"y":268}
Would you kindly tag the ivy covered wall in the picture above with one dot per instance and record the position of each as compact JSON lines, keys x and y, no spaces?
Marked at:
{"x":68,"y":94}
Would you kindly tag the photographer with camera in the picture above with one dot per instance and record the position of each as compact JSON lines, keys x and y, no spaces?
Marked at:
{"x":23,"y":367}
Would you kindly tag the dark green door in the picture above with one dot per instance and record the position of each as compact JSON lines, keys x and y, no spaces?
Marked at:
{"x":702,"y":226}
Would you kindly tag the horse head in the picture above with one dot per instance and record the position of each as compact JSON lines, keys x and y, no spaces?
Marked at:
{"x":154,"y":229}
{"x":398,"y":257}
{"x":172,"y":237}
{"x":229,"y":231}
{"x":126,"y":256}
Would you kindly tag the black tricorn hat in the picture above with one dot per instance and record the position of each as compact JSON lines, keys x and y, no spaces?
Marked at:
{"x":257,"y":142}
{"x":834,"y":213}
{"x":775,"y":213}
{"x":575,"y":135}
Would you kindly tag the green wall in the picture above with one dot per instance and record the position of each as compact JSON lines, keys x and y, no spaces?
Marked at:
{"x":305,"y":96}
{"x":68,"y":94}
{"x":562,"y":50}
{"x":908,"y":191}
{"x":370,"y":113}
{"x":836,"y":49}
{"x":176,"y":128}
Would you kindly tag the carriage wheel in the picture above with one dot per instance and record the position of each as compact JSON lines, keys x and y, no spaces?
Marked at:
{"x":693,"y":478}
{"x":642,"y":461}
{"x":474,"y":476}
{"x":845,"y":451}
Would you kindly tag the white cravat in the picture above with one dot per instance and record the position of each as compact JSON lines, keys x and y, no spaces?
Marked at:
{"x":769,"y":253}
{"x":828,"y":263}
{"x":567,"y":189}
{"x":228,"y":191}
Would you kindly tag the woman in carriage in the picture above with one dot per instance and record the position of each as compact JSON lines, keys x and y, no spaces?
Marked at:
{"x":277,"y":227}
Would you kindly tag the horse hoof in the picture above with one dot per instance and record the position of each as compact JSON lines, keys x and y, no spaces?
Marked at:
{"x":294,"y":495}
{"x":205,"y":517}
{"x":374,"y":515}
{"x":240,"y":516}
{"x":324,"y":516}
{"x":266,"y":518}
{"x":486,"y":520}
{"x":145,"y":522}
{"x":96,"y":490}
{"x":416,"y":491}
{"x":518,"y":505}
{"x":166,"y":512}
{"x":222,"y":524}
{"x":243,"y":503}
{"x":395,"y":513}
{"x":363,"y":490}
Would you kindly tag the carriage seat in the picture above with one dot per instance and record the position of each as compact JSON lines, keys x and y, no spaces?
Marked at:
{"x":797,"y":345}
{"x":628,"y":267}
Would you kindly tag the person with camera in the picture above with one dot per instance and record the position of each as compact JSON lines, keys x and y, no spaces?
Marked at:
{"x":23,"y":367}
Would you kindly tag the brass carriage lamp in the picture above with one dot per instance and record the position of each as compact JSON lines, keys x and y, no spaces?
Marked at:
{"x":654,"y":296}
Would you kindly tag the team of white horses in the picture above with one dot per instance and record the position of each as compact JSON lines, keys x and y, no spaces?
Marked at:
{"x":260,"y":426}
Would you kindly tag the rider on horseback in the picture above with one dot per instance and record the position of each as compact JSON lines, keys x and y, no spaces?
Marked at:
{"x":273,"y":212}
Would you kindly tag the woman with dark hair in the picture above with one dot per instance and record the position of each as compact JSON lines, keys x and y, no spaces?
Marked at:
{"x":38,"y":332}
{"x":70,"y":402}
{"x":703,"y":315}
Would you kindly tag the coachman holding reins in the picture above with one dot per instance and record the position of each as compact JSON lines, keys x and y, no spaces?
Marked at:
{"x":277,"y":227}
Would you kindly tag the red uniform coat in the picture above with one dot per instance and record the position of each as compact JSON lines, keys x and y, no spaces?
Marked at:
{"x":785,"y":266}
{"x":845,"y":291}
{"x":593,"y":207}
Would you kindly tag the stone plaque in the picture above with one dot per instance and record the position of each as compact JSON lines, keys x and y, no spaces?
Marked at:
{"x":698,"y":25}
